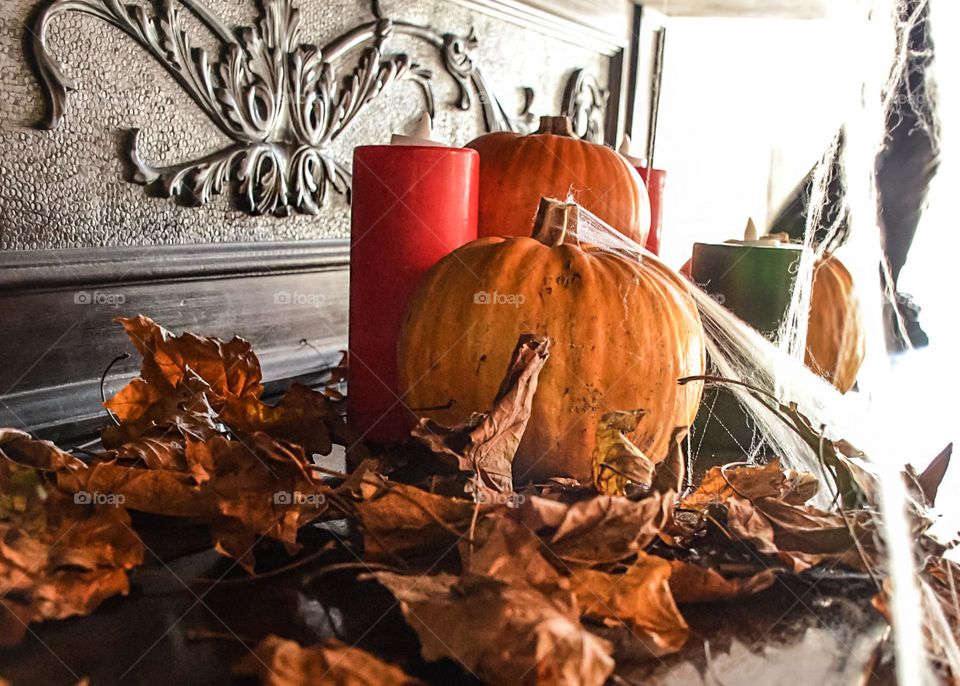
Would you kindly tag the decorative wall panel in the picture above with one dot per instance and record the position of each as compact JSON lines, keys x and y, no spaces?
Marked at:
{"x":71,"y":187}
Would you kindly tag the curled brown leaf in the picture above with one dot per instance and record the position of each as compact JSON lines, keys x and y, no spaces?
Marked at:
{"x":501,"y":633}
{"x":691,"y":583}
{"x":58,"y":558}
{"x":620,"y":467}
{"x":640,"y":598}
{"x":486,"y":443}
{"x":599,"y":530}
{"x":278,"y":661}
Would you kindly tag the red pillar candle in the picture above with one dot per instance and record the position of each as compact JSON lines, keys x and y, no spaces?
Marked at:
{"x":412,"y":205}
{"x":655,"y":180}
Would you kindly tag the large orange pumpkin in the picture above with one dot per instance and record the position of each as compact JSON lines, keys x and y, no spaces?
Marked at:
{"x":623,"y":332}
{"x":835,"y":338}
{"x":516,"y":171}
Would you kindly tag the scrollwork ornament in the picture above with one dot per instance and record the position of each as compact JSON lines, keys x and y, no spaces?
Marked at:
{"x":585,"y":102}
{"x":281,"y":102}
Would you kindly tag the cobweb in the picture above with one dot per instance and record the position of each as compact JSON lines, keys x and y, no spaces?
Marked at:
{"x":895,"y":81}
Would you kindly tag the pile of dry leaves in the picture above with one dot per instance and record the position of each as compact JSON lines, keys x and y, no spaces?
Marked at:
{"x":528,"y":585}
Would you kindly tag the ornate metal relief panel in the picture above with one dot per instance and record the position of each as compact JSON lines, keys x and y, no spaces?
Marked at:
{"x":585,"y":102}
{"x":279,"y":101}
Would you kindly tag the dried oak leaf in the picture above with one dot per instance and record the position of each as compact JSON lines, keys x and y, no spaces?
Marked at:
{"x":486,"y":443}
{"x":600,"y":530}
{"x":691,"y":583}
{"x":278,"y":661}
{"x":501,"y":633}
{"x":641,"y":599}
{"x":58,"y":558}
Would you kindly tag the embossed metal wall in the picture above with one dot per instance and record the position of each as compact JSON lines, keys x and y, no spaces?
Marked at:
{"x":72,"y":187}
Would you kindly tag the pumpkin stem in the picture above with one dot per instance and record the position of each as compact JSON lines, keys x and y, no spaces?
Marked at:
{"x":557,"y":222}
{"x":558,"y":126}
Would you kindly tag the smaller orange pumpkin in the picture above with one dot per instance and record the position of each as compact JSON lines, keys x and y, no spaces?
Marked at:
{"x":516,"y":171}
{"x":835,"y":339}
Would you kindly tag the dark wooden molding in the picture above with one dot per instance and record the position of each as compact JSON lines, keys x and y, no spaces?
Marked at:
{"x":288,"y":299}
{"x":43,"y":269}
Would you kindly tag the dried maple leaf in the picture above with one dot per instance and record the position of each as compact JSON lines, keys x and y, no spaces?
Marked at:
{"x":671,"y":473}
{"x":302,"y":416}
{"x":230,"y":369}
{"x":182,"y":381}
{"x":763,"y":506}
{"x":620,"y":467}
{"x":691,"y":583}
{"x":245,"y":489}
{"x":160,"y":491}
{"x":751,"y":482}
{"x":193,"y":387}
{"x":405,"y":521}
{"x":486,"y":443}
{"x":502,"y":633}
{"x":600,"y":530}
{"x":262,"y":488}
{"x":506,"y":550}
{"x":640,"y":598}
{"x":58,"y":558}
{"x":25,"y":450}
{"x":278,"y":661}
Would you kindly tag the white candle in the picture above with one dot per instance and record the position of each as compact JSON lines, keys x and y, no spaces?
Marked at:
{"x":420,"y":136}
{"x":750,"y":237}
{"x":624,"y":150}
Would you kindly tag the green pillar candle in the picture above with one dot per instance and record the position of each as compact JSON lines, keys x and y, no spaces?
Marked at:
{"x":754,"y":279}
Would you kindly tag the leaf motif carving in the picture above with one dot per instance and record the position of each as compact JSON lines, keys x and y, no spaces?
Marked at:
{"x":280,"y":102}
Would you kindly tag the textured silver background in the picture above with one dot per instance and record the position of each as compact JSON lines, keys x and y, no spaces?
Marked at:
{"x":70,"y":187}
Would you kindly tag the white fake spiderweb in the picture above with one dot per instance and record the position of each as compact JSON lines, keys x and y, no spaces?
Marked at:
{"x":881,"y":31}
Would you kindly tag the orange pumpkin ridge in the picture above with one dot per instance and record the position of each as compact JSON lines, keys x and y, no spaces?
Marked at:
{"x":516,"y":171}
{"x":836,"y":343}
{"x":623,"y":332}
